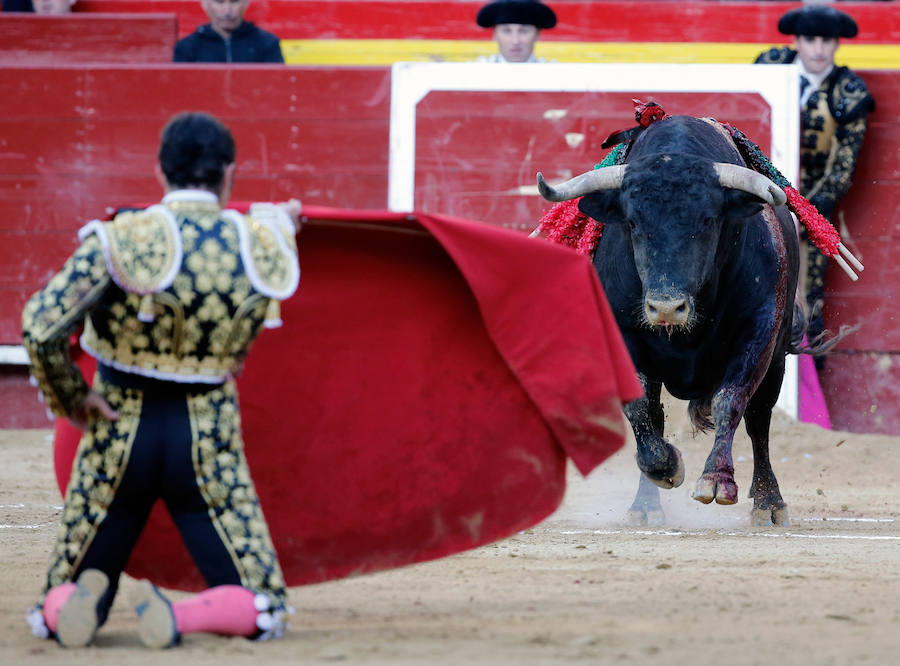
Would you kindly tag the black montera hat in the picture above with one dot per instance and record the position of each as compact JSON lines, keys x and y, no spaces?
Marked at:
{"x":526,"y":12}
{"x":817,"y":21}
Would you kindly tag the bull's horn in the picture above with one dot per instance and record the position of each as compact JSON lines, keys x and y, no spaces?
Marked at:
{"x":605,"y":178}
{"x":748,"y":180}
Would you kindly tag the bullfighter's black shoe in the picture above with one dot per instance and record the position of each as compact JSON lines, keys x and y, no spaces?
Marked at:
{"x":156,"y":621}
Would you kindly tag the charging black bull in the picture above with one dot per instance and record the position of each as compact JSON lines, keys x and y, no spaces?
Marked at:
{"x":699,"y":260}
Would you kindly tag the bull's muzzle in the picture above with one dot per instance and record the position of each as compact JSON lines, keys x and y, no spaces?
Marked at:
{"x":667,"y":311}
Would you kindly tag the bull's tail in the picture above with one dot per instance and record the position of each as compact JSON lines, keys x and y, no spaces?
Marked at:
{"x":821,"y":344}
{"x":700,"y":411}
{"x":798,"y":329}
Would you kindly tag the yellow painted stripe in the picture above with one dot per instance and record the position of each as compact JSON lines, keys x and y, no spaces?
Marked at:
{"x":388,"y":51}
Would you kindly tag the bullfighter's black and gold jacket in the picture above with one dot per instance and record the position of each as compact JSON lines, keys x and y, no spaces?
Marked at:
{"x":833,"y":126}
{"x":177,"y":292}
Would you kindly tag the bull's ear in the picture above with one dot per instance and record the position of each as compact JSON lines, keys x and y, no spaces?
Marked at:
{"x":740,"y":204}
{"x":603,"y":206}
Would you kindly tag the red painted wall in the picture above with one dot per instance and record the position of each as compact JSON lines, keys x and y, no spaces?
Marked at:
{"x":862,"y":378}
{"x":77,"y":139}
{"x":474,"y":150}
{"x":73,"y":148}
{"x":44,"y":39}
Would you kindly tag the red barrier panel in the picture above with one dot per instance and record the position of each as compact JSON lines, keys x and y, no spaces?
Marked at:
{"x":317,"y":133}
{"x":868,"y":215}
{"x":861,"y":379}
{"x":111,"y":38}
{"x":477,"y":152}
{"x":71,"y":148}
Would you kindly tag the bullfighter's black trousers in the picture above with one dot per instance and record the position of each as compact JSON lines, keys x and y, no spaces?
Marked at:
{"x":181,"y":443}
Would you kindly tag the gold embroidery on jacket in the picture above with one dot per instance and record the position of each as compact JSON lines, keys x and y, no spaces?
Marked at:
{"x":818,"y":145}
{"x":272,"y":265}
{"x":54,"y":312}
{"x":197,"y":328}
{"x":143,"y":249}
{"x":242,"y":329}
{"x":204,"y":322}
{"x":172,"y":321}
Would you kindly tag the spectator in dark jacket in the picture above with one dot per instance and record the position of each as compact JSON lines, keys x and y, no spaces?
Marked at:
{"x":39,"y":6}
{"x":17,"y":6}
{"x":228,"y":37}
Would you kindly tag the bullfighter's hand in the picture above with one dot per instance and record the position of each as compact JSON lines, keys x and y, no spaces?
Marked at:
{"x":94,"y":404}
{"x":293,"y":208}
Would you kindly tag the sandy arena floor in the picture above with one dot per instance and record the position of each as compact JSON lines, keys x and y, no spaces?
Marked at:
{"x":581,"y":587}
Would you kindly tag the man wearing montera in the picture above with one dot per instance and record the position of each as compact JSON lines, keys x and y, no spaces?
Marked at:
{"x":171,"y":299}
{"x":228,"y":37}
{"x":517,"y":26}
{"x":834,"y":110}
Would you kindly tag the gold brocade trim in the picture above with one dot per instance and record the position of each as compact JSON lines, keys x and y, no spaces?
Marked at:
{"x":175,"y":306}
{"x":144,"y":247}
{"x":817,"y":146}
{"x":201,"y":325}
{"x":204,"y":211}
{"x":268,"y":249}
{"x":820,"y":132}
{"x":273,"y":266}
{"x":242,"y":328}
{"x":99,"y":466}
{"x":830,"y":145}
{"x":60,"y":382}
{"x":162,"y":365}
{"x":224,"y":482}
{"x":51,"y":314}
{"x":57,"y":307}
{"x":850,"y":98}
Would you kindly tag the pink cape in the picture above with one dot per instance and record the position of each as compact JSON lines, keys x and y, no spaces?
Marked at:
{"x":431,"y":378}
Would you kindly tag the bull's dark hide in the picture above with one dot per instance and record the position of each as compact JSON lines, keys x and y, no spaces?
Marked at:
{"x":701,"y":279}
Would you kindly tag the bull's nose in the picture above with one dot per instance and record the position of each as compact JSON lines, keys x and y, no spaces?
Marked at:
{"x":667,"y":312}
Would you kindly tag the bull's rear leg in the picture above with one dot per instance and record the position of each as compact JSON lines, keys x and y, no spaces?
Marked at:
{"x":769,"y":507}
{"x":646,"y":508}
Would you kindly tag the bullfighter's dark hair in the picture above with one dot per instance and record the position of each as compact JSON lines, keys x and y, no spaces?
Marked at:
{"x":194,"y":150}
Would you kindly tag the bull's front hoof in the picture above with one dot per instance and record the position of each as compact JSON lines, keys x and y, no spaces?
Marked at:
{"x":770,"y":517}
{"x":672,"y":480}
{"x":719,"y":487}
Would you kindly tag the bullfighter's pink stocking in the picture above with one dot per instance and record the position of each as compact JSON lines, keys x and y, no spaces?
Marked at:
{"x":226,"y":610}
{"x":54,"y":601}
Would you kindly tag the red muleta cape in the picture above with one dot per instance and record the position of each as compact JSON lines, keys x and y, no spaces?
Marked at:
{"x":431,"y":378}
